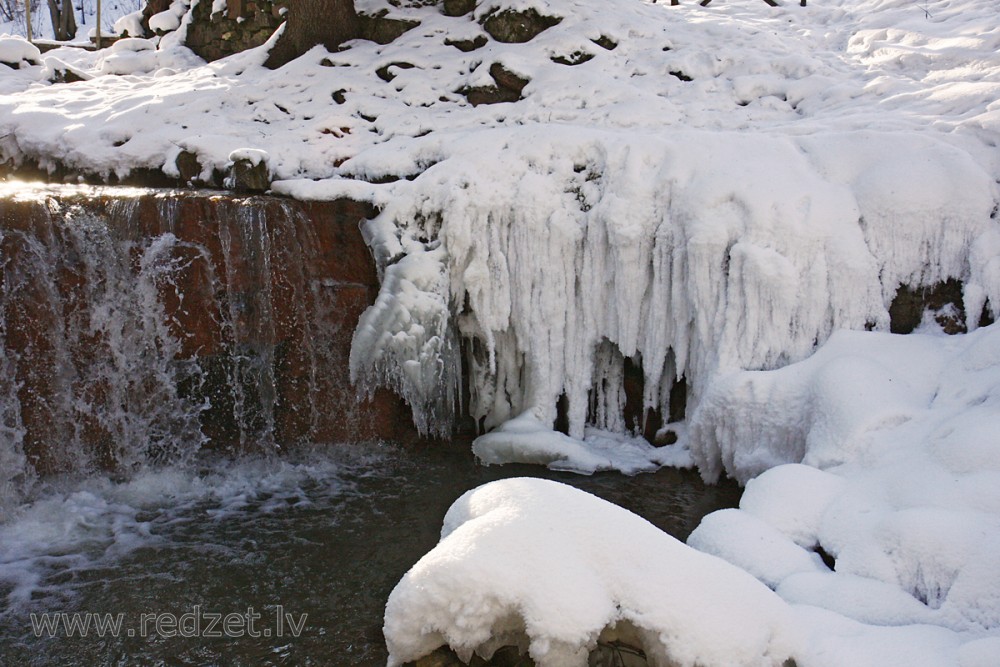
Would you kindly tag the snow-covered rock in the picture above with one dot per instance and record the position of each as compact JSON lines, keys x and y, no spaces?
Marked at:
{"x":15,"y":50}
{"x":552,"y":569}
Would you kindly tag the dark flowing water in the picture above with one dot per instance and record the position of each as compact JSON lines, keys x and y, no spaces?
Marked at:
{"x":325,"y":535}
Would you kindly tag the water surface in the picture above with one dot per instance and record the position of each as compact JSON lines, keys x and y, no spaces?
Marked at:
{"x":326,"y":534}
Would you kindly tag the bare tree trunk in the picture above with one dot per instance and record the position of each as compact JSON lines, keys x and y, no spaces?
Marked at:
{"x":63,"y":19}
{"x":312,"y":22}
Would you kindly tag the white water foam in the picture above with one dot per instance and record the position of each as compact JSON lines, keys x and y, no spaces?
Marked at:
{"x":75,"y":524}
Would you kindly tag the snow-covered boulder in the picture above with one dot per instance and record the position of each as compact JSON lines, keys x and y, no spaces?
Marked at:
{"x":15,"y":51}
{"x":552,"y":569}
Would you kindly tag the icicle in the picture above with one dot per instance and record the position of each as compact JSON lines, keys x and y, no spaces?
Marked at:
{"x":405,"y":341}
{"x":699,"y":254}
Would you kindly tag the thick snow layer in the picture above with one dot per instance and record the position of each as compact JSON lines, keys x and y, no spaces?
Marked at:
{"x":14,"y":50}
{"x":169,"y":19}
{"x":552,"y":569}
{"x":901,"y":490}
{"x":860,"y":398}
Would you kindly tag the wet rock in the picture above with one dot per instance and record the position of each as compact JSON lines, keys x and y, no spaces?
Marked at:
{"x":506,"y":79}
{"x":605,"y":42}
{"x":250,"y":172}
{"x":63,"y":73}
{"x":575,"y":58}
{"x":606,"y":654}
{"x":387,"y":75}
{"x":517,"y":27}
{"x":188,"y":166}
{"x":505,"y":656}
{"x":665,"y":437}
{"x":442,"y":657}
{"x":617,"y":654}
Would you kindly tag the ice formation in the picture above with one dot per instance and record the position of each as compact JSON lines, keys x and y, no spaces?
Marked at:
{"x":695,"y":253}
{"x":552,"y":569}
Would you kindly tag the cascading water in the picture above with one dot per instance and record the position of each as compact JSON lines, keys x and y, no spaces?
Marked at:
{"x":139,"y":327}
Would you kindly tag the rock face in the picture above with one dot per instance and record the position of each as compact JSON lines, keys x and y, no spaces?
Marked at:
{"x":244,"y":24}
{"x":517,"y":27}
{"x":943,"y":301}
{"x":141,"y":327}
{"x":507,"y":89}
{"x":312,"y":22}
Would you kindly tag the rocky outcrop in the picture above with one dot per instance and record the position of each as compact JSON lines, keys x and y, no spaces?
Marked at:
{"x":244,"y":25}
{"x":517,"y":27}
{"x":507,"y":89}
{"x":944,"y":302}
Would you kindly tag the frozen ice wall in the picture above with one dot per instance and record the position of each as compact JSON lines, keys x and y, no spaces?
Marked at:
{"x":557,"y":252}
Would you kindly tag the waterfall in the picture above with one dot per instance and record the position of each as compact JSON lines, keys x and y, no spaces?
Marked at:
{"x":138,"y":327}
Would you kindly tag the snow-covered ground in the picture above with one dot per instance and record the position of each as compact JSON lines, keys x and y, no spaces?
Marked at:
{"x":713,"y":191}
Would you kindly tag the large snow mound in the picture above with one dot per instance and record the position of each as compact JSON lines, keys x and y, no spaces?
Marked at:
{"x":861,"y":399}
{"x":550,"y":568}
{"x":901,"y":486}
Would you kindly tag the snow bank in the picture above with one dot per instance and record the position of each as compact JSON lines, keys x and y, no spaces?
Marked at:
{"x":901,"y":489}
{"x":851,"y":402}
{"x":553,"y":569}
{"x":169,"y":19}
{"x":882,"y":544}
